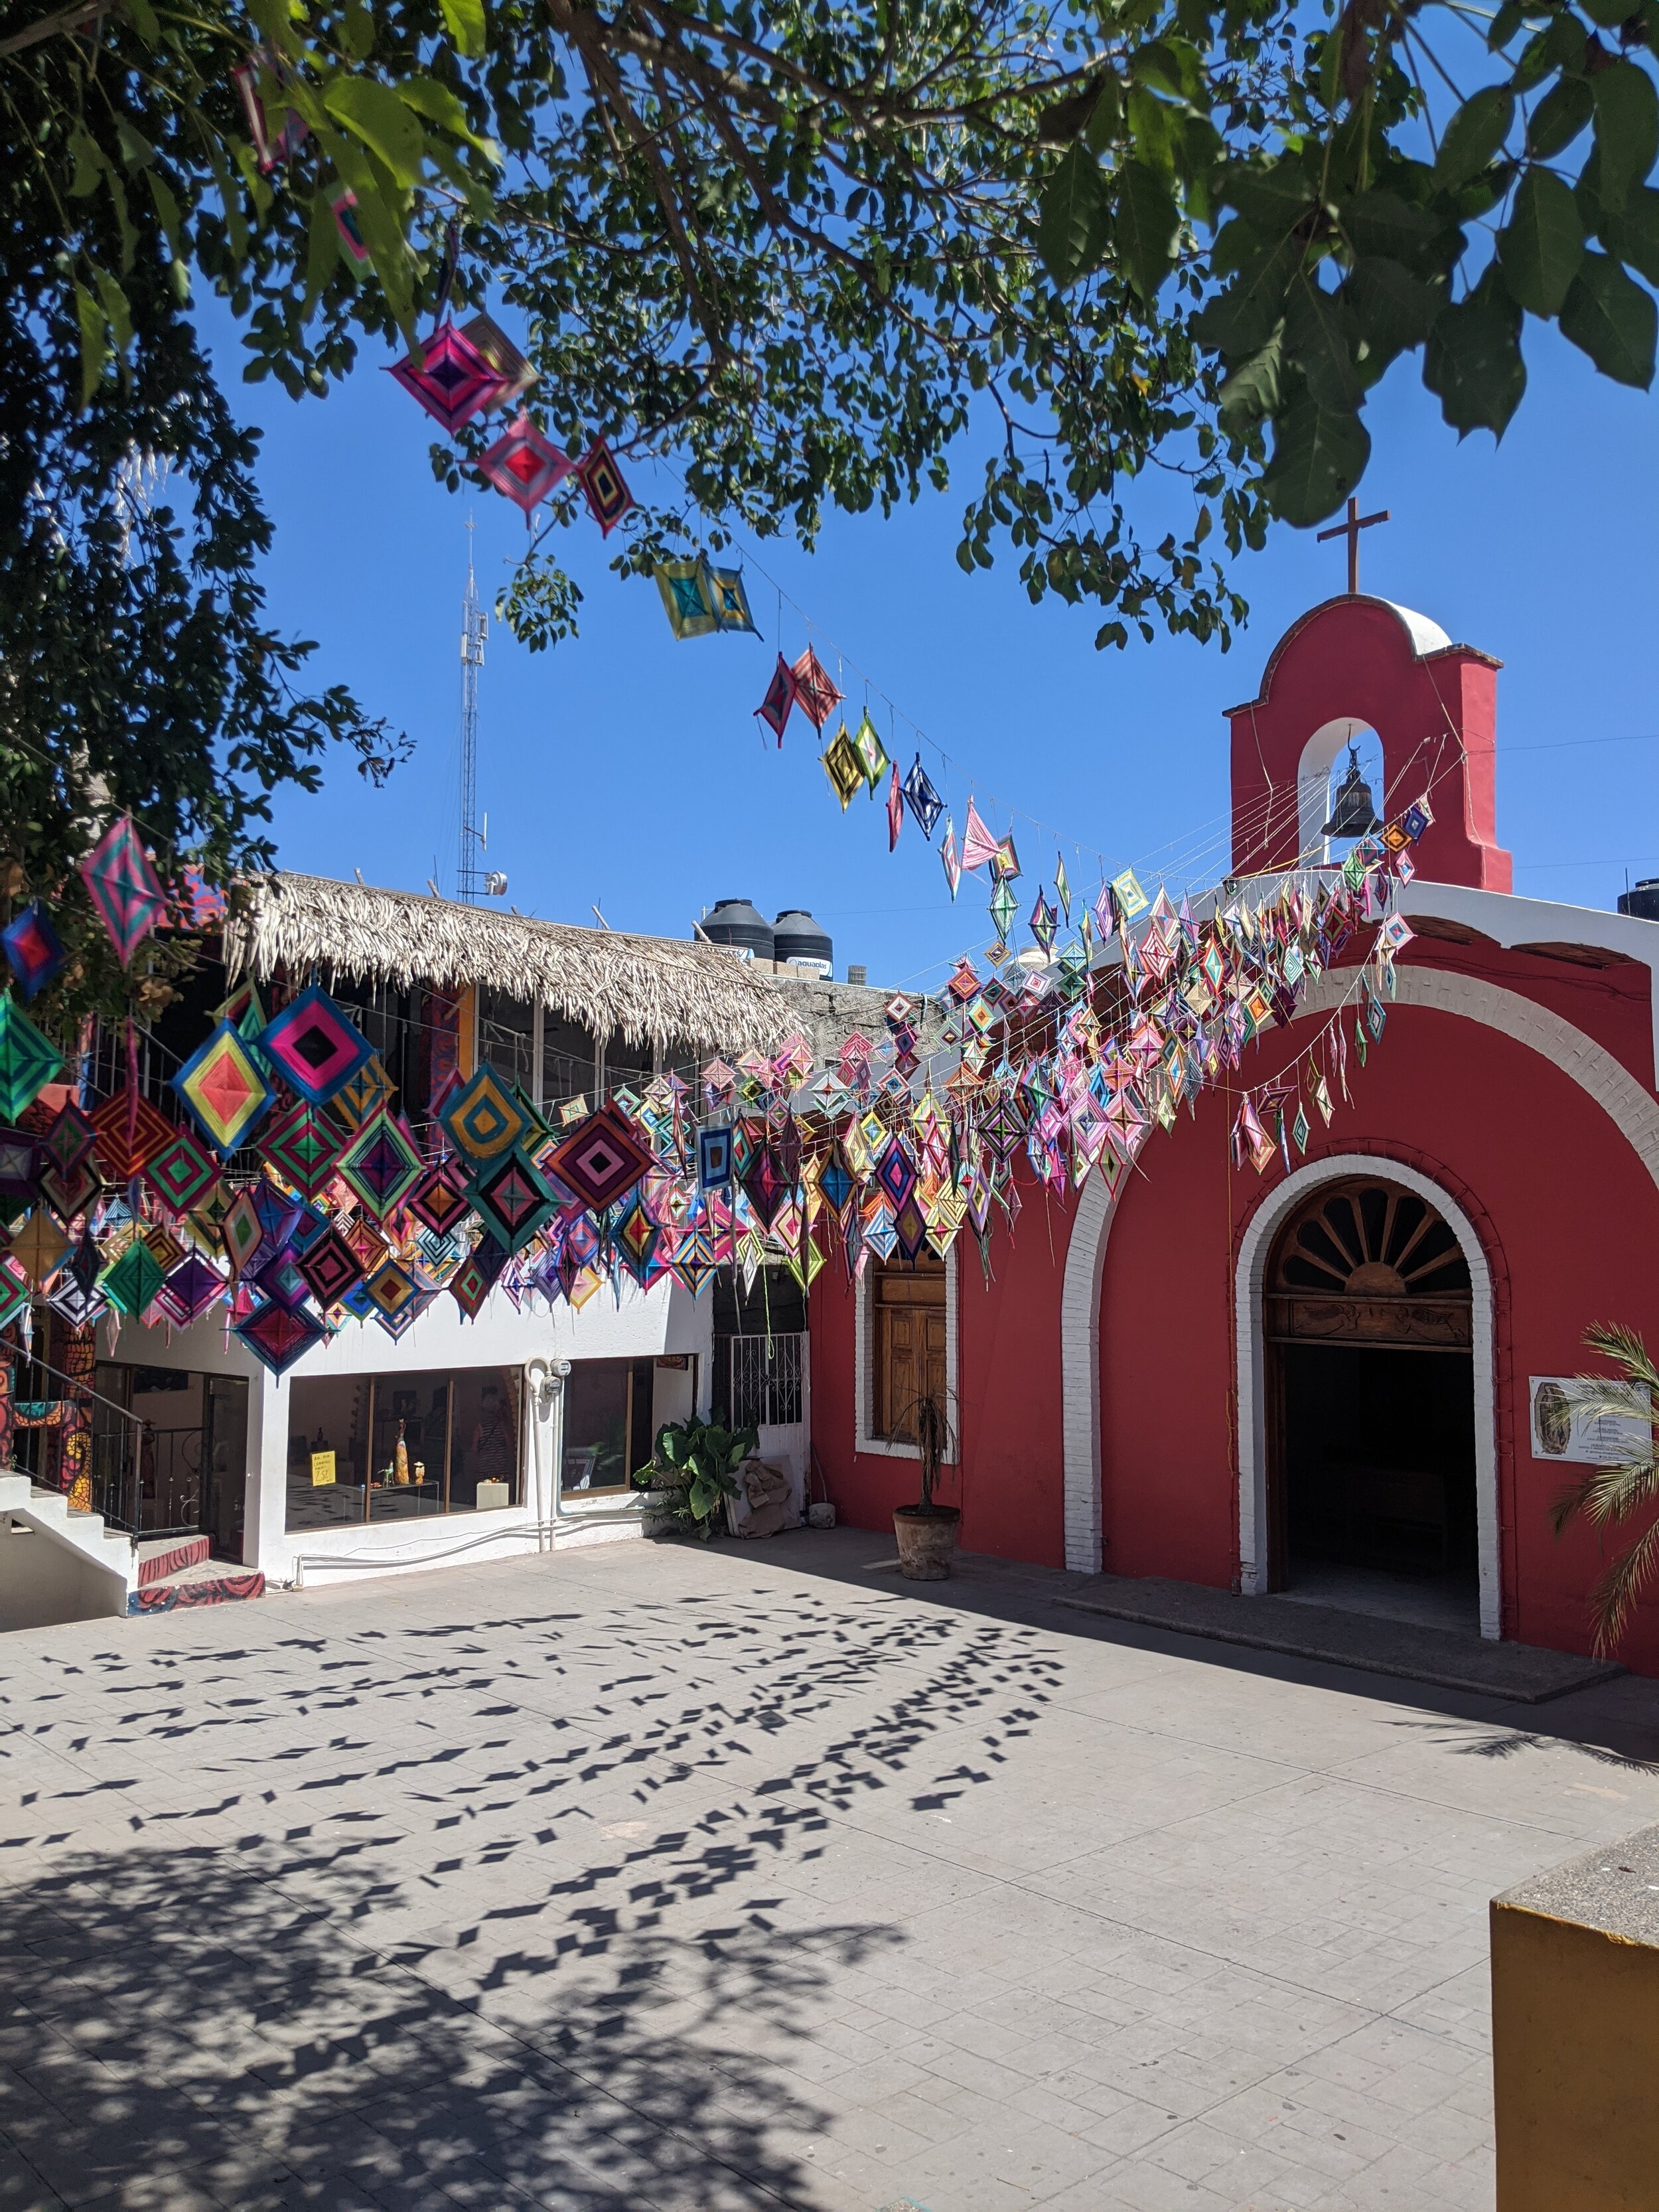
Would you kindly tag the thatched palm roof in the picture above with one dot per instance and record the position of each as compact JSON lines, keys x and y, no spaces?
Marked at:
{"x":654,"y":990}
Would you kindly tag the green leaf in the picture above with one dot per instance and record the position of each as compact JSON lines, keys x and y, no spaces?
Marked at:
{"x":167,"y":207}
{"x":1153,"y":127}
{"x":1473,"y":136}
{"x":1392,"y":309}
{"x":1105,"y":121}
{"x":89,"y":163}
{"x":1383,"y":223}
{"x":1505,"y":25}
{"x":1627,"y":129}
{"x":1317,"y":339}
{"x":1171,"y":66}
{"x":1244,"y":317}
{"x":465,"y":20}
{"x":439,"y":105}
{"x":94,"y":342}
{"x":135,"y":149}
{"x":1148,"y":228}
{"x":1609,"y":14}
{"x":1472,"y":361}
{"x":359,"y":31}
{"x":1252,"y":392}
{"x":386,"y":126}
{"x":116,"y":309}
{"x":1274,"y":197}
{"x":322,"y":248}
{"x":1559,"y":116}
{"x":1633,"y":233}
{"x":1074,"y":222}
{"x":1318,"y":458}
{"x":1613,"y":320}
{"x":1540,"y":246}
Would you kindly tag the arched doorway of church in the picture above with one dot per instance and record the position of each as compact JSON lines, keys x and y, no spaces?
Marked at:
{"x":1370,"y":1407}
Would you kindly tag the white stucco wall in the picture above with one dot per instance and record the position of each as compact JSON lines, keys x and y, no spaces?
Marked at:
{"x":664,"y":1319}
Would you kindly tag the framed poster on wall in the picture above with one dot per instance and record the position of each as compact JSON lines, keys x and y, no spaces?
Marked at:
{"x":1563,"y":1429}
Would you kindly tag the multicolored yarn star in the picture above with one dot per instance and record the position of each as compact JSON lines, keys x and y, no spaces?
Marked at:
{"x":315,"y":1047}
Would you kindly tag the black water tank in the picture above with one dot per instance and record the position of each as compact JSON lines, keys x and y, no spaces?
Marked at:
{"x":797,"y":936}
{"x":1642,"y":902}
{"x":735,"y":922}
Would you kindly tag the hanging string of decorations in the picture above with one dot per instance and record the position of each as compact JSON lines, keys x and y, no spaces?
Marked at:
{"x":288,"y":1192}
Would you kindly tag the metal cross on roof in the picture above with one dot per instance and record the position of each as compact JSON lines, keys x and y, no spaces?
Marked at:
{"x":1351,"y":530}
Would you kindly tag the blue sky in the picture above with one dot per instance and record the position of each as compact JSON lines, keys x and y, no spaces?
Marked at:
{"x":626,"y":770}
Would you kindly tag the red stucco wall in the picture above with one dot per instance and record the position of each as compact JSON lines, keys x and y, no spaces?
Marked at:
{"x":1570,"y":1219}
{"x":1567,"y":1213}
{"x":1010,"y":1483}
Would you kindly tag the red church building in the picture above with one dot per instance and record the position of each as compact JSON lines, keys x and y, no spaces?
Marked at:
{"x":1341,"y":1377}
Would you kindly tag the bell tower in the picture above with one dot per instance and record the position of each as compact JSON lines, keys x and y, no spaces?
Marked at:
{"x":1355,"y":664}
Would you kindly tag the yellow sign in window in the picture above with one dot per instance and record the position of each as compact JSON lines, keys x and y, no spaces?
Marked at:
{"x":322,"y":1468}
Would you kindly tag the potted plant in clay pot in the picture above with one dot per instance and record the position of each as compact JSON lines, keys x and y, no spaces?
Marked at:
{"x":927,"y":1533}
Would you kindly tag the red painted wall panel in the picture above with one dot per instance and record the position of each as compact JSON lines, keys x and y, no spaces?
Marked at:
{"x":1569,"y":1216}
{"x":1010,"y":1483}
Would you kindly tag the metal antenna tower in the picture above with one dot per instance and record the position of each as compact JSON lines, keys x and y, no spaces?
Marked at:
{"x":473,"y":880}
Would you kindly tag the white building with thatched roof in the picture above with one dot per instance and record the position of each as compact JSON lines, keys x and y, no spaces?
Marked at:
{"x":459,"y":1439}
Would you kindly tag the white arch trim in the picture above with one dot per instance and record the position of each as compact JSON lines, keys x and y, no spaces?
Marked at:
{"x":1248,"y":1290}
{"x":1627,"y":1104}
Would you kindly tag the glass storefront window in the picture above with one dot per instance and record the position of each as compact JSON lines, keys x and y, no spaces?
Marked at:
{"x":611,"y":1416}
{"x":401,"y":1447}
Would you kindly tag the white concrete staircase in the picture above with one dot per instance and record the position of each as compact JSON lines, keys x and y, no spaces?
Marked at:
{"x":56,"y":1566}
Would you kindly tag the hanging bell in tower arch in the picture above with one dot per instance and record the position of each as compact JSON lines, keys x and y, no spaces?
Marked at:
{"x":1354,"y":814}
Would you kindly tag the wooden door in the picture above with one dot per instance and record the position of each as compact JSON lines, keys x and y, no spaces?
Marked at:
{"x":908,"y":1349}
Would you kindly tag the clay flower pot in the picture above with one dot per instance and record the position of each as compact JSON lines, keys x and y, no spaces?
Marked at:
{"x":926,"y":1537}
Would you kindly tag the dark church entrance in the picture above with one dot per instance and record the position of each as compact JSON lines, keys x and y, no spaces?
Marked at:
{"x":1371,"y":1496}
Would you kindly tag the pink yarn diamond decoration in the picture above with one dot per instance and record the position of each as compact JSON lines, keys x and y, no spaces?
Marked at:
{"x":453,"y":381}
{"x":524,"y":464}
{"x":124,"y":887}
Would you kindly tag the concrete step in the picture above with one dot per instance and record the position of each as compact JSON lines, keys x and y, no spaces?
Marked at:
{"x":165,"y":1558}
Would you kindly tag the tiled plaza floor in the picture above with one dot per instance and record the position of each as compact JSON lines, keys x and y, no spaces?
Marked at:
{"x":686,"y":1881}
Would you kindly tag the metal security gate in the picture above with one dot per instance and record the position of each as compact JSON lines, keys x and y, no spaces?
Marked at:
{"x":766,"y":1382}
{"x":768,"y":1387}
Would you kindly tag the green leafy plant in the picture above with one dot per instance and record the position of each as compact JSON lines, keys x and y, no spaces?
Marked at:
{"x":1627,"y":1488}
{"x":695,"y":1467}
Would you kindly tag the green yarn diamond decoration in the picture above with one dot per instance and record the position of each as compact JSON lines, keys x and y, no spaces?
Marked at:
{"x":29,"y":1060}
{"x":130,"y":1282}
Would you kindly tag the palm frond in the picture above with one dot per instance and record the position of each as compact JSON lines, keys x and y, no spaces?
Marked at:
{"x":1614,"y":1341}
{"x":1612,"y":1393}
{"x":1614,"y":1595}
{"x":1625,"y":1485}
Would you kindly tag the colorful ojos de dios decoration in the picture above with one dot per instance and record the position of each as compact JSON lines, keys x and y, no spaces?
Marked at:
{"x":297,"y":1198}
